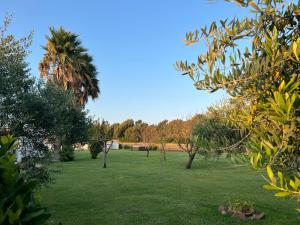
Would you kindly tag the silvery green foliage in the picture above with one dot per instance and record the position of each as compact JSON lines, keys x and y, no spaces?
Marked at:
{"x":263,"y":80}
{"x":16,"y":86}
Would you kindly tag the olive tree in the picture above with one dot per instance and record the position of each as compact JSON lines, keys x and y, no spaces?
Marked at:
{"x":162,"y":130}
{"x":149,"y":135}
{"x":216,"y":135}
{"x":182,"y":133}
{"x":263,"y":80}
{"x":105,"y":137}
{"x":16,"y":88}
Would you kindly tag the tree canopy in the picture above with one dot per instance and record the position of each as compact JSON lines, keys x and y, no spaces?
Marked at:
{"x":263,"y":81}
{"x":67,"y":63}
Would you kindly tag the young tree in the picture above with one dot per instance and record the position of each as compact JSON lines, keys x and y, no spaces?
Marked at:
{"x":185,"y":138}
{"x":264,"y":80}
{"x":95,"y":144}
{"x":162,"y":130}
{"x":149,"y":135}
{"x":68,"y":64}
{"x":105,"y":136}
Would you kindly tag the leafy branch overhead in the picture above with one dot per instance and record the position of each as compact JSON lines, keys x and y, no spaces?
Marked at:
{"x":261,"y":77}
{"x":224,"y":65}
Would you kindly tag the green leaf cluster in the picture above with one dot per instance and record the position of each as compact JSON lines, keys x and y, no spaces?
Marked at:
{"x":262,"y":80}
{"x":18,"y":200}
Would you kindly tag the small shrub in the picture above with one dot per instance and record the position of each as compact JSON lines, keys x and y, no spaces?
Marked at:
{"x":241,"y":209}
{"x":95,"y":148}
{"x":19,"y":204}
{"x":67,"y":153}
{"x":34,"y":169}
{"x":240,"y":206}
{"x":127,"y":147}
{"x":120,"y":146}
{"x":153,"y":148}
{"x":141,"y":148}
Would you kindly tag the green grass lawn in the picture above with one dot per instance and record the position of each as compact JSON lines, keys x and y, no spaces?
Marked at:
{"x":145,"y":191}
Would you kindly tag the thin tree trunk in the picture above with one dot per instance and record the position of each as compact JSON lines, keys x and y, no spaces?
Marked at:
{"x":105,"y":158}
{"x":57,"y":149}
{"x":147,"y":153}
{"x":191,"y":159}
{"x":164,"y":154}
{"x":161,"y":155}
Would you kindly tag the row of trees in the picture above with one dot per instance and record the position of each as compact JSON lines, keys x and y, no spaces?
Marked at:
{"x":139,"y":131}
{"x":263,"y":82}
{"x":199,"y":134}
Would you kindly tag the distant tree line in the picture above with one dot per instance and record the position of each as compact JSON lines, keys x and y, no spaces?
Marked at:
{"x":206,"y":134}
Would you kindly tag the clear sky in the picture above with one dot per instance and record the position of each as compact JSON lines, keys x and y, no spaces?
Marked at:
{"x":135,"y":45}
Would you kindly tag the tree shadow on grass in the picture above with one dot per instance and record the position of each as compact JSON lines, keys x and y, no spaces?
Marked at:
{"x":214,"y":165}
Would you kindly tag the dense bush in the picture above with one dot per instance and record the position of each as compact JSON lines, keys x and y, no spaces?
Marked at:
{"x":66,"y":153}
{"x":147,"y":148}
{"x":153,"y":147}
{"x":95,"y":148}
{"x":141,"y":148}
{"x":127,"y":147}
{"x":18,"y":204}
{"x":37,"y":168}
{"x":214,"y":137}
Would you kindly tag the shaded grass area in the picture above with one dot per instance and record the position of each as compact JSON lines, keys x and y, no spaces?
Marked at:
{"x":145,"y":191}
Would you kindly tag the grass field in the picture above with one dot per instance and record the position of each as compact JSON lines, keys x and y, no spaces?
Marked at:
{"x":144,"y":191}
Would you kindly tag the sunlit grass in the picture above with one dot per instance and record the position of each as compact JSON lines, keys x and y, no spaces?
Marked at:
{"x":139,"y":190}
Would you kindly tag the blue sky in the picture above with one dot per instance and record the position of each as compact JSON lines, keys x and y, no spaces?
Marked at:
{"x":135,"y":45}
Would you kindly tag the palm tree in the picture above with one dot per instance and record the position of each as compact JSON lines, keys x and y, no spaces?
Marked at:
{"x":68,"y":64}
